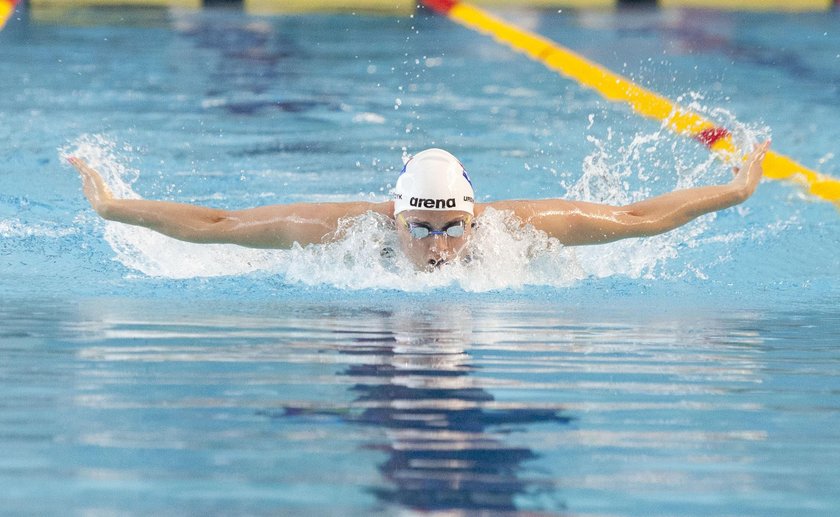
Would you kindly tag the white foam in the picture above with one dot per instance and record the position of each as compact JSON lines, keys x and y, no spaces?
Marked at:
{"x":503,"y":256}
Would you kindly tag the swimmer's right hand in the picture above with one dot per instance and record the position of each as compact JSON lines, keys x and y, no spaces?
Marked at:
{"x":93,"y":186}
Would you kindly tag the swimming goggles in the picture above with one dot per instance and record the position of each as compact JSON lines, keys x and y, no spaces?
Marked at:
{"x":422,"y":230}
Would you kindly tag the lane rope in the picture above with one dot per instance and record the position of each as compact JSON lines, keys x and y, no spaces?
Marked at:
{"x":7,"y":9}
{"x":616,"y":88}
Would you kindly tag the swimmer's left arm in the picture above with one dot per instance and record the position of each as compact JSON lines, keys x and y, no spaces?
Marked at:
{"x":274,"y":226}
{"x":579,"y":223}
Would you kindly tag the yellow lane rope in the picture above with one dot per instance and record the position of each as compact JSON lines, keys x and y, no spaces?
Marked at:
{"x":616,"y":88}
{"x":7,"y":9}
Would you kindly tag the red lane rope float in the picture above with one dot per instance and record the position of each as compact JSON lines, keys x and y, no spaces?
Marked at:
{"x":7,"y":9}
{"x":711,"y":135}
{"x":616,"y":88}
{"x":442,"y":6}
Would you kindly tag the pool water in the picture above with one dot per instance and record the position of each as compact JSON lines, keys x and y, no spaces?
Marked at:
{"x":694,"y":373}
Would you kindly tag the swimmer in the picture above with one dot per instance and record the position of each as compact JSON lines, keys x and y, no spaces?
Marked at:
{"x":433,"y":209}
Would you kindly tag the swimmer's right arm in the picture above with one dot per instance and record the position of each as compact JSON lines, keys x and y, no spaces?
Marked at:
{"x":275,"y":226}
{"x":576,"y":223}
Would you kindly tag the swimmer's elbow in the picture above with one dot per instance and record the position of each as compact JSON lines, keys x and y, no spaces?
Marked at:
{"x":218,"y":218}
{"x":216,"y":226}
{"x":639,"y":224}
{"x":209,"y":226}
{"x":221,"y":227}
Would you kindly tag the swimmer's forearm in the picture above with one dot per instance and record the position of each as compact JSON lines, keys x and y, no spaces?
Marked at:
{"x":669,"y":211}
{"x":178,"y":220}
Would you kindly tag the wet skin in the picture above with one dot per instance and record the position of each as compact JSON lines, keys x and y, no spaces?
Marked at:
{"x":434,"y":250}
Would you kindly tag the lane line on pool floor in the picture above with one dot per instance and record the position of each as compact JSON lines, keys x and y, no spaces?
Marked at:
{"x":616,"y":88}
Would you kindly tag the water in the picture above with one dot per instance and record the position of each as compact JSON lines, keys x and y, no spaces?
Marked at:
{"x":693,"y":373}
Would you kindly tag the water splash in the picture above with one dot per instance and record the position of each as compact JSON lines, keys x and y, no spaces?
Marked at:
{"x":102,"y":154}
{"x":503,"y":255}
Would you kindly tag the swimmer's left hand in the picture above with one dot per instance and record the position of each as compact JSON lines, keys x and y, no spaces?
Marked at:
{"x":749,"y":174}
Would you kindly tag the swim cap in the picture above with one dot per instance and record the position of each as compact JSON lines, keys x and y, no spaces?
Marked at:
{"x":433,"y":180}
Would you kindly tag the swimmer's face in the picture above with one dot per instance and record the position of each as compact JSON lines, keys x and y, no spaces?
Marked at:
{"x":435,"y":250}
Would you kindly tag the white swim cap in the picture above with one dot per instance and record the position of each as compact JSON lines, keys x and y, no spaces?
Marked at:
{"x":433,"y":180}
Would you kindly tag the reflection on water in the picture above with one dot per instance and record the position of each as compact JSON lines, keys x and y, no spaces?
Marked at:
{"x":356,"y":409}
{"x":445,"y":449}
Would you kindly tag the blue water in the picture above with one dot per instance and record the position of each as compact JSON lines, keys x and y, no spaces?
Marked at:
{"x":694,"y":373}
